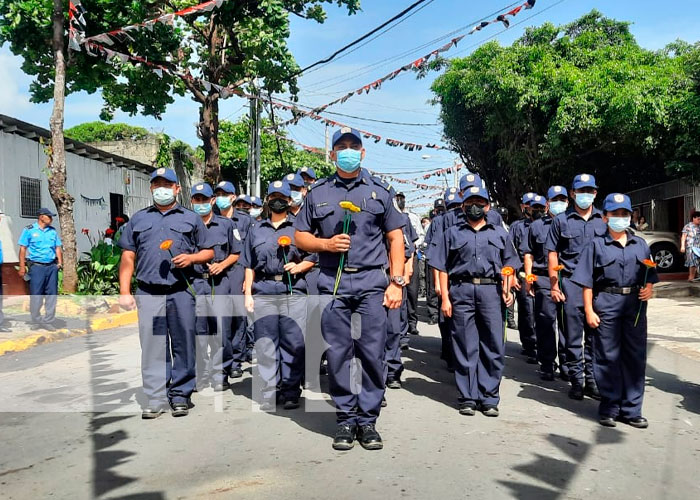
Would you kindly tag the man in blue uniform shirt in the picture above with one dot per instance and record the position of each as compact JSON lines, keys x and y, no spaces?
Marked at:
{"x":40,"y":247}
{"x":298,"y":189}
{"x":308,"y":174}
{"x":569,"y":234}
{"x":162,"y":243}
{"x":430,"y":297}
{"x":362,"y":288}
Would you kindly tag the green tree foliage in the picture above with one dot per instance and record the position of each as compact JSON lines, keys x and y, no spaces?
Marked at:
{"x":102,"y":131}
{"x":583,"y":97}
{"x":234,"y":137}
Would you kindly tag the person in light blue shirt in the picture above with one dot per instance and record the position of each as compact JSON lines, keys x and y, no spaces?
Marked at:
{"x":41,"y":256}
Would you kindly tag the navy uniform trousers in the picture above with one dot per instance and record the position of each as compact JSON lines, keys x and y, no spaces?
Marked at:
{"x":526,"y":319}
{"x":620,"y":353}
{"x":238,"y":334}
{"x":279,"y":325}
{"x":167,"y":325}
{"x":477,"y":336}
{"x":213,"y":325}
{"x":548,"y":327}
{"x":577,"y":334}
{"x":396,"y":327}
{"x":360,"y":295}
{"x":43,"y":290}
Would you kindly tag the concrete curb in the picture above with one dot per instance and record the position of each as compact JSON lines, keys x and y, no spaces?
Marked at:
{"x":35,"y":339}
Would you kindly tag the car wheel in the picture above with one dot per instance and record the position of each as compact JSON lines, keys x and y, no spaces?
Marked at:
{"x":666,"y":256}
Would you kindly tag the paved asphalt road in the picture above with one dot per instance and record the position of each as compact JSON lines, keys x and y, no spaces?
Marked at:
{"x":544,"y":445}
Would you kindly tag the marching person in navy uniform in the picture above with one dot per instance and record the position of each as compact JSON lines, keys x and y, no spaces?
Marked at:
{"x":569,"y":234}
{"x":547,"y":326}
{"x":40,"y":246}
{"x":298,"y":189}
{"x":472,"y":259}
{"x":526,"y":302}
{"x":308,"y":174}
{"x":225,"y":194}
{"x":275,"y":291}
{"x":211,"y":283}
{"x":617,"y":275}
{"x":162,"y":243}
{"x":256,"y":208}
{"x":362,"y":289}
{"x":431,"y":297}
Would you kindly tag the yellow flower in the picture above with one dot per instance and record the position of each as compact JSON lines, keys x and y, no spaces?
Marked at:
{"x":348,"y":205}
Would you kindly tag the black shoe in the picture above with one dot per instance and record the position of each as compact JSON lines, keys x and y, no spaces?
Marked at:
{"x":323,"y":369}
{"x":49,"y":327}
{"x":369,"y":438}
{"x":591,"y":390}
{"x":413,"y":331}
{"x":607,"y":421}
{"x":394,"y":384}
{"x":291,"y":404}
{"x":36,"y":326}
{"x":489,"y":410}
{"x":152,"y":412}
{"x":432,"y":321}
{"x":450,"y":369}
{"x":268,"y":405}
{"x":512,"y":325}
{"x":563,"y":376}
{"x":344,"y":439}
{"x":576,"y":391}
{"x":180,"y":409}
{"x":531,"y":360}
{"x":384,"y":403}
{"x":221,"y":386}
{"x":468,"y":409}
{"x":237,"y":373}
{"x":638,"y":422}
{"x":404,"y":347}
{"x":547,"y":376}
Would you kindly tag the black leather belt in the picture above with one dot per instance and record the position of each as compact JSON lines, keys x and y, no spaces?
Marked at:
{"x":541,"y":272}
{"x":162,"y":289}
{"x":204,"y":276}
{"x":473,"y":280}
{"x":353,"y":270}
{"x":566,"y":273}
{"x":271,"y":277}
{"x":33,"y":262}
{"x":619,"y":290}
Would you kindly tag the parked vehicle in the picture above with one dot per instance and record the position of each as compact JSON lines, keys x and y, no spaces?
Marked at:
{"x":665,"y":249}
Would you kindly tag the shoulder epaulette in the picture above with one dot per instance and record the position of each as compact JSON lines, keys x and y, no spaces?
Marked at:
{"x":318,"y":183}
{"x":381,"y":182}
{"x":29,"y":226}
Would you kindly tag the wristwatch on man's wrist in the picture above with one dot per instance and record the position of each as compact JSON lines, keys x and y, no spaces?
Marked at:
{"x":398,"y":280}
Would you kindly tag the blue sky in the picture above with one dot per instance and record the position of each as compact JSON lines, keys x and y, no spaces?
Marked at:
{"x":404,"y":99}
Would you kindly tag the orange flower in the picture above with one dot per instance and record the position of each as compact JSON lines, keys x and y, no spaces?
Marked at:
{"x":284,"y":241}
{"x":165,"y":245}
{"x":649,"y":263}
{"x":507,"y":271}
{"x":560,"y":267}
{"x":531,"y":278}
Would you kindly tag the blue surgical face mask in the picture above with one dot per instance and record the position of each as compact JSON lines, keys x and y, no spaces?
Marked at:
{"x":619,"y":224}
{"x":558,"y":207}
{"x":223,"y":202}
{"x":255,"y":212}
{"x":163,"y":196}
{"x":202,"y":208}
{"x":348,"y":160}
{"x":584,"y":200}
{"x":296,"y":198}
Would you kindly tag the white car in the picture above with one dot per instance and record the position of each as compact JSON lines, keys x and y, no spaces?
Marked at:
{"x":665,"y":249}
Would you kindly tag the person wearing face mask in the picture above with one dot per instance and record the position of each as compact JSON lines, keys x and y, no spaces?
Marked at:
{"x":413,"y":285}
{"x":616,"y":284}
{"x":548,"y":330}
{"x":362,"y":288}
{"x":475,"y":293}
{"x":298,"y":190}
{"x":41,"y":250}
{"x":211,"y":283}
{"x":275,"y":292}
{"x":526,"y":303}
{"x":308,"y":174}
{"x":162,"y":243}
{"x":243,"y":204}
{"x":256,"y":208}
{"x":431,"y":297}
{"x":225,"y":194}
{"x":568,"y":235}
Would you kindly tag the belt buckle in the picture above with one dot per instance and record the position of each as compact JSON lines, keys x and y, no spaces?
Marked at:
{"x":476,"y":281}
{"x":626,"y":290}
{"x":278,"y":277}
{"x":205,"y":276}
{"x":351,"y":269}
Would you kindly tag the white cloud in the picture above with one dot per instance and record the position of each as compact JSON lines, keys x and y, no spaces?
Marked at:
{"x":13,"y":93}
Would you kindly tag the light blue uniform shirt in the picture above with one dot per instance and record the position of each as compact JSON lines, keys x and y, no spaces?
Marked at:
{"x":41,"y":243}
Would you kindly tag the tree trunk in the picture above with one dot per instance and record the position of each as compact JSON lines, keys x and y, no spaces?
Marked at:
{"x":57,"y":157}
{"x":209,"y":131}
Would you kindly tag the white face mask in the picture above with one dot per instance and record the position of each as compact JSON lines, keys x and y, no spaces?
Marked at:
{"x":297,"y":198}
{"x":163,"y":196}
{"x":255,"y":212}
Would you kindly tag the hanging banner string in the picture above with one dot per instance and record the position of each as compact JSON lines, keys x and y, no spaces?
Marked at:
{"x":76,"y":24}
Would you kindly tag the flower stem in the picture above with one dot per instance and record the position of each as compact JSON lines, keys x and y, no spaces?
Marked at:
{"x":289,"y":276}
{"x":194,"y":294}
{"x":646,"y":275}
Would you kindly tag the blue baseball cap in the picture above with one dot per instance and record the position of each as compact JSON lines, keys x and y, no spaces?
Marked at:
{"x":475,"y":191}
{"x":226,"y":187}
{"x":280,"y":187}
{"x":613,"y":201}
{"x":308,"y":171}
{"x":449,"y":191}
{"x":346,"y":131}
{"x":295,"y":180}
{"x":45,"y":211}
{"x":555,"y":191}
{"x":584,"y":180}
{"x":538,"y":200}
{"x":166,"y":173}
{"x":469,"y":180}
{"x":202,"y":188}
{"x":244,"y":198}
{"x":255,"y":201}
{"x":452,"y":199}
{"x":439,"y":203}
{"x":527,"y":198}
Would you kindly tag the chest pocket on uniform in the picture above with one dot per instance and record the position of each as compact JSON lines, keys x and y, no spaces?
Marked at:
{"x":606,"y":265}
{"x":496,"y":245}
{"x":141,"y":233}
{"x":221,"y":249}
{"x":366,"y":221}
{"x":183,"y":237}
{"x":324,"y":217}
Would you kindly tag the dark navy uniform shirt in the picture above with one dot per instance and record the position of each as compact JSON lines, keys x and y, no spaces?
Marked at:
{"x":148,"y":228}
{"x":241,"y":225}
{"x":220,"y":234}
{"x":409,"y":237}
{"x":606,"y":263}
{"x":570,"y":233}
{"x":534,"y":243}
{"x":518,"y":232}
{"x":41,"y":244}
{"x":478,"y":254}
{"x":322,"y":215}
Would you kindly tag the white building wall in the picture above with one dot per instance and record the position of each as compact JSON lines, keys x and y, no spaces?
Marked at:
{"x":89,"y":178}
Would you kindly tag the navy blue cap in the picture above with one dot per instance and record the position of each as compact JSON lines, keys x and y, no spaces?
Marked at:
{"x":345,"y":131}
{"x":244,"y":198}
{"x":308,"y":171}
{"x":584,"y":180}
{"x":613,"y":201}
{"x":469,"y":180}
{"x":527,"y":198}
{"x":280,"y":187}
{"x":538,"y":200}
{"x":202,"y":188}
{"x":166,"y":173}
{"x":255,"y":201}
{"x":439,"y":203}
{"x":45,"y":211}
{"x":476,"y":191}
{"x":453,"y":199}
{"x":226,"y":187}
{"x":555,"y":191}
{"x":450,"y":191}
{"x":295,"y":180}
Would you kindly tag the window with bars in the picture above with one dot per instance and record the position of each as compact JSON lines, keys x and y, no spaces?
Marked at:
{"x":30,"y":196}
